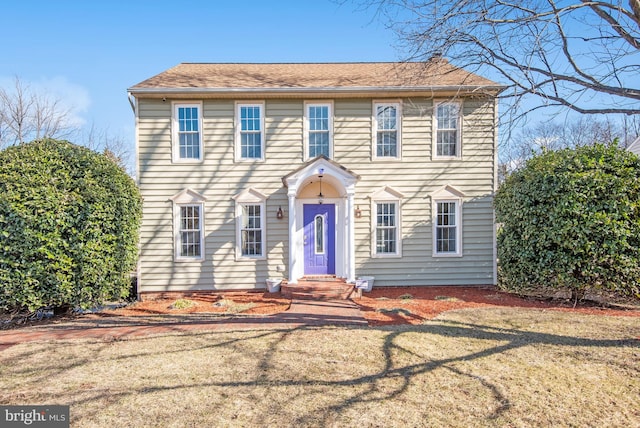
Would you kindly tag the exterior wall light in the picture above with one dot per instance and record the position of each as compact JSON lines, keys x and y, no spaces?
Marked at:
{"x":320,"y":195}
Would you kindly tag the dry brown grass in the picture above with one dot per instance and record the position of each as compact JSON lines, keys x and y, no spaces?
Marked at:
{"x":475,"y":367}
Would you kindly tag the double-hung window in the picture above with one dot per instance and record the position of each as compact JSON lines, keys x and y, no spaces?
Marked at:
{"x":187,"y":132}
{"x":447,"y":138}
{"x":188,"y":225}
{"x":190,"y":232}
{"x":447,"y":228}
{"x":387,"y":130}
{"x":318,"y":129}
{"x":250,"y":224}
{"x":251,"y":233}
{"x":386,"y":228}
{"x":386,"y":223}
{"x":250,"y":131}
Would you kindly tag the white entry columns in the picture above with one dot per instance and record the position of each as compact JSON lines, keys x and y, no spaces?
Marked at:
{"x":344,"y":182}
{"x":293,"y":242}
{"x":350,"y":235}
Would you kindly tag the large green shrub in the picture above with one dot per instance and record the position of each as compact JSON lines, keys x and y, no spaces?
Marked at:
{"x":570,"y":220}
{"x":69,"y":222}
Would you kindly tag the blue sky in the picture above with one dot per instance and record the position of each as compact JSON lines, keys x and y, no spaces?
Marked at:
{"x":89,"y":52}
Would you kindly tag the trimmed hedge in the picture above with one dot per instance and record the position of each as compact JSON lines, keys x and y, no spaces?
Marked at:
{"x":69,"y":223}
{"x":570,"y":220}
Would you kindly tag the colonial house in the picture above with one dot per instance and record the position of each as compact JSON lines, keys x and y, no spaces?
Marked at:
{"x":256,"y":171}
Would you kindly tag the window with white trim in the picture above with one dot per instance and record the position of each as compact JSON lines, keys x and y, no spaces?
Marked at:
{"x":190,"y":231}
{"x":386,"y":122}
{"x":447,"y":138}
{"x":250,"y":131}
{"x":386,"y":230}
{"x":250,"y":224}
{"x":447,"y":231}
{"x":188,"y":225}
{"x":318,"y":129}
{"x":251,"y":232}
{"x":187,"y":132}
{"x":386,"y":223}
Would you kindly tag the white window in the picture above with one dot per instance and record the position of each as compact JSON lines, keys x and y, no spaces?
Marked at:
{"x":447,"y":222}
{"x":187,"y":132}
{"x":188,"y":226}
{"x":318,"y":129}
{"x":190,"y":233}
{"x":386,"y":223}
{"x":251,"y":236}
{"x":386,"y":126}
{"x":250,"y":225}
{"x":447,"y":228}
{"x":386,"y":228}
{"x":447,"y":125}
{"x":250,"y":131}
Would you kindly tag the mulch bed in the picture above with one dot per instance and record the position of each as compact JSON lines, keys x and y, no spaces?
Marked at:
{"x":413,"y":305}
{"x":381,"y":306}
{"x":255,"y":303}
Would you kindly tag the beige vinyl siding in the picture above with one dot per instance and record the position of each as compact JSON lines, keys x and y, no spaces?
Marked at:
{"x":219,"y":178}
{"x":416,"y":176}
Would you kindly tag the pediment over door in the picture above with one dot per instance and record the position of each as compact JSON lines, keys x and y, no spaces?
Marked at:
{"x":340,"y":177}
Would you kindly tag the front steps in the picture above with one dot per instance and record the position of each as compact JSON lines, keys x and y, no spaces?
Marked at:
{"x":318,"y":287}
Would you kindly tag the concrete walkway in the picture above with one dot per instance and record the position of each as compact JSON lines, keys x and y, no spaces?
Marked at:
{"x":301,"y":313}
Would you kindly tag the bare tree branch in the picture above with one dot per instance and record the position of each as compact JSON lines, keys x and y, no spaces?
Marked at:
{"x":15,"y":107}
{"x":580,"y":54}
{"x":26,"y":115}
{"x":635,"y":6}
{"x":50,"y":119}
{"x":615,"y":25}
{"x":554,"y":136}
{"x":111,"y":145}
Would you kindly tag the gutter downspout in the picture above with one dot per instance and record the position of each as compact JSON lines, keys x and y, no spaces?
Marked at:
{"x":132,"y":101}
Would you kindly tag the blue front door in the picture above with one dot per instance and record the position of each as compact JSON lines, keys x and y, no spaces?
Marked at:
{"x":319,"y":239}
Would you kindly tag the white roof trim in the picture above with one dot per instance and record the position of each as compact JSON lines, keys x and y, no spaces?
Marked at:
{"x":187,"y":196}
{"x":323,"y":89}
{"x":250,"y":195}
{"x":332,"y":172}
{"x":447,"y":191}
{"x":386,"y":192}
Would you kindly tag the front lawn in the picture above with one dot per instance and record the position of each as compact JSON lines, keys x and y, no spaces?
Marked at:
{"x":472,"y":367}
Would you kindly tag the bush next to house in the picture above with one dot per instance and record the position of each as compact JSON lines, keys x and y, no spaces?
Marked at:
{"x":570,"y":220}
{"x":69,"y":221}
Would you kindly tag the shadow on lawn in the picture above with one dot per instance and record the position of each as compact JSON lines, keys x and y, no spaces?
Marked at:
{"x":514,"y":338}
{"x":281,"y":344}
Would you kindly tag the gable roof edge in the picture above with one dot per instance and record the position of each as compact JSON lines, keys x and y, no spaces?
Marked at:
{"x":468,"y":89}
{"x":317,"y":159}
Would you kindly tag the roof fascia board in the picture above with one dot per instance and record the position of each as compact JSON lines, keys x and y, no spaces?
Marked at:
{"x":321,"y":90}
